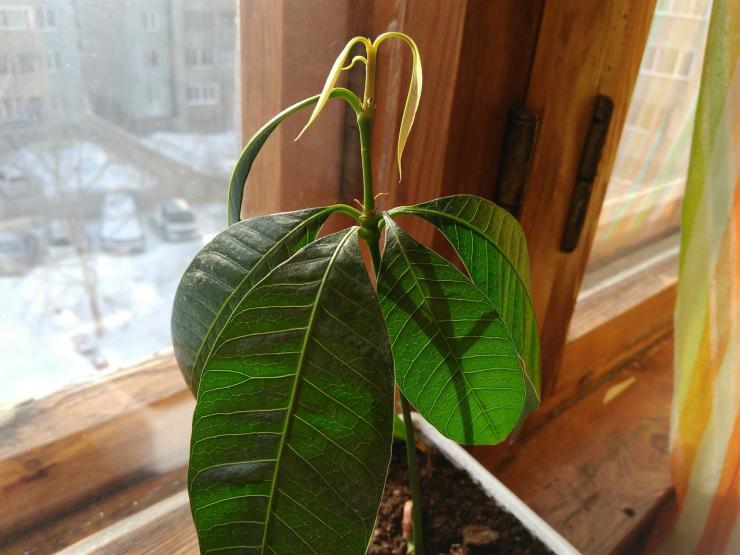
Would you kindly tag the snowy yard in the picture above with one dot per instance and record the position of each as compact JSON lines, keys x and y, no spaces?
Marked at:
{"x":211,"y":153}
{"x":47,"y":326}
{"x":46,"y":319}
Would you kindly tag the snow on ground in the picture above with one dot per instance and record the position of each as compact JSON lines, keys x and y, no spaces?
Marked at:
{"x":83,"y":166}
{"x":211,"y":153}
{"x":47,"y":310}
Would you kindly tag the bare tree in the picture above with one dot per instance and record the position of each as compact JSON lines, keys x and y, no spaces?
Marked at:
{"x":69,"y":206}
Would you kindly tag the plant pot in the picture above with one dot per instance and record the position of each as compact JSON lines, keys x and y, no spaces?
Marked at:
{"x":494,"y":489}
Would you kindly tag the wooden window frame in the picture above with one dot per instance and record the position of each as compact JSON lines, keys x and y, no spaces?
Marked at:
{"x":556,"y":57}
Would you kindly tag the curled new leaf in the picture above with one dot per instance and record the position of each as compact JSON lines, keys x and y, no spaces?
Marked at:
{"x":414,"y":94}
{"x":356,"y":59}
{"x":332,"y":79}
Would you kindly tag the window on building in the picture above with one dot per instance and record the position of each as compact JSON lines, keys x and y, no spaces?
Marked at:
{"x":22,"y":109}
{"x":151,"y":58}
{"x":26,"y":62}
{"x":195,"y":57}
{"x":150,"y":21}
{"x":202,"y":94}
{"x":15,"y":18}
{"x":46,"y":18}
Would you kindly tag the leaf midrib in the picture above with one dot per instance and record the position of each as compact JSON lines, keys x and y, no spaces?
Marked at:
{"x":238,"y":285}
{"x":299,"y":368}
{"x":444,"y":338}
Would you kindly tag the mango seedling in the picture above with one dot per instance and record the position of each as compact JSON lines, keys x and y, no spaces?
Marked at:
{"x":293,"y":353}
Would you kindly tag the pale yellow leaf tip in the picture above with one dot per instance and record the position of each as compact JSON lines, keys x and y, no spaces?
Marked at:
{"x":332,"y":79}
{"x":414,"y":94}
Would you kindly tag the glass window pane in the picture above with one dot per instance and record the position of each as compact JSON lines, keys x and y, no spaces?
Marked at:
{"x":117,"y":137}
{"x":644,"y":194}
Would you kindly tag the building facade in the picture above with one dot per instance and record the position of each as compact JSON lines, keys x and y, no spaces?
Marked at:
{"x":203,"y":54}
{"x":126,"y":61}
{"x":40,"y":69}
{"x":153,"y":65}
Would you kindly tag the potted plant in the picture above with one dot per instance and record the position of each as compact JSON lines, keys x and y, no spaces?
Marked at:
{"x":293,"y":354}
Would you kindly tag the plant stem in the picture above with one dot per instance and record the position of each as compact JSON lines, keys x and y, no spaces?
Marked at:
{"x":364,"y":124}
{"x":370,"y":232}
{"x":413,"y":476}
{"x":372,"y":237}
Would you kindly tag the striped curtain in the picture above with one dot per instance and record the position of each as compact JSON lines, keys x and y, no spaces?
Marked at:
{"x":705,"y":434}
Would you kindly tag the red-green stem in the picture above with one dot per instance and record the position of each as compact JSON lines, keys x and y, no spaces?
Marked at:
{"x":418,"y":547}
{"x":371,"y":235}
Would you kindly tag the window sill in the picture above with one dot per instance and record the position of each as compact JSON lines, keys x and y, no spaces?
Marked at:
{"x":103,"y":465}
{"x":80,"y":445}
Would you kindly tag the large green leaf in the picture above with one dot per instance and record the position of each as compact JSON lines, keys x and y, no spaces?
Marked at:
{"x":455,"y":359}
{"x":224,"y":271}
{"x":492,"y":245}
{"x":292,"y":429}
{"x":254,"y":145}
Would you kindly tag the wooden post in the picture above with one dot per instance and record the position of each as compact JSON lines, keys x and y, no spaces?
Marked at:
{"x":584,"y":49}
{"x":477,"y":57}
{"x":287,"y":48}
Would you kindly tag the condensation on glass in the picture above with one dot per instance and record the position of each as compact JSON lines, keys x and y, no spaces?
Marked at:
{"x":643,"y":199}
{"x":117,"y":136}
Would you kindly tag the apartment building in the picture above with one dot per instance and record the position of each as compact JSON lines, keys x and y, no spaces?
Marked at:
{"x":40,"y":70}
{"x":159,"y":64}
{"x":125,"y":49}
{"x":203,"y":55}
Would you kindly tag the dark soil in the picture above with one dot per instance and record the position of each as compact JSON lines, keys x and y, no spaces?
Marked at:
{"x":451,"y":501}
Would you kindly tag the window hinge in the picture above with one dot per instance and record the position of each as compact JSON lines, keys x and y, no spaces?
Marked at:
{"x":587,"y":169}
{"x":516,"y":155}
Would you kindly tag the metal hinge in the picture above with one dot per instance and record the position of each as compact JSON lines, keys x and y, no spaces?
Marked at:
{"x":516,"y":155}
{"x":587,"y":169}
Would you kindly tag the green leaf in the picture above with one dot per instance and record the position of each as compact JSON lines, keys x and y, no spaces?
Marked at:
{"x":491,"y":244}
{"x":455,"y":360}
{"x":254,"y":145}
{"x":413,"y":96}
{"x":292,"y":429}
{"x":224,"y":271}
{"x":332,"y":79}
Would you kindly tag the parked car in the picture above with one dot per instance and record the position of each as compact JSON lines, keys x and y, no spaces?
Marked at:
{"x":19,"y":252}
{"x":121,"y":230}
{"x":59,"y":233}
{"x":19,"y":196}
{"x":176,"y":220}
{"x":13,"y":182}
